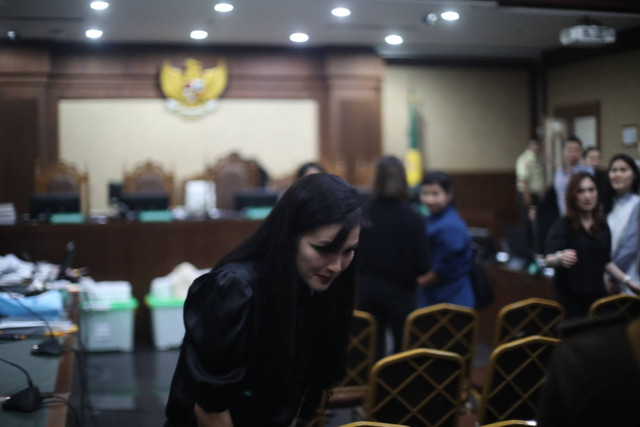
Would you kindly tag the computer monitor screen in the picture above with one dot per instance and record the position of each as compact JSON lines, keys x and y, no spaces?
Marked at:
{"x":482,"y":242}
{"x":145,"y":201}
{"x":115,"y":191}
{"x":43,"y":205}
{"x":255,"y":199}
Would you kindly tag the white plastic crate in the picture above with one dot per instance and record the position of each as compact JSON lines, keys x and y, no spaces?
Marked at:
{"x":166,"y":321}
{"x":108,"y":325}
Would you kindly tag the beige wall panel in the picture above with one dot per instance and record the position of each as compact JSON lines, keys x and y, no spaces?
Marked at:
{"x":108,"y":134}
{"x":473,"y":119}
{"x":614,"y":81}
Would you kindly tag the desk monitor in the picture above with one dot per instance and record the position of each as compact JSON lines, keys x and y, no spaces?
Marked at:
{"x":136,"y":202}
{"x":255,"y":199}
{"x":482,"y":242}
{"x":41,"y":206}
{"x":115,"y":191}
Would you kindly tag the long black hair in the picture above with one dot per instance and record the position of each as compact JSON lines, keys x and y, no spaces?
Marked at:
{"x":313,"y":201}
{"x":390,"y":182}
{"x":610,"y":193}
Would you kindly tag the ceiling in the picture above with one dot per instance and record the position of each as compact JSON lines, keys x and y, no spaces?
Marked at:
{"x":486,"y":29}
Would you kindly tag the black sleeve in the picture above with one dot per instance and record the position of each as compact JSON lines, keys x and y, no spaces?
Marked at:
{"x":420,"y":246}
{"x":557,"y":237}
{"x":216,"y":317}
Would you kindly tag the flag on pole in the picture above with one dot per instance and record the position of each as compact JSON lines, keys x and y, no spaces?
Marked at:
{"x":413,"y":160}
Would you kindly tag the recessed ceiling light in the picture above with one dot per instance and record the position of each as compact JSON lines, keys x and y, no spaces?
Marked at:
{"x":450,"y":15}
{"x":431,"y":19}
{"x":93,"y":33}
{"x":340,"y":12}
{"x":223,"y":7}
{"x":299,"y":37}
{"x":393,"y":39}
{"x":99,"y":5}
{"x":199,"y":34}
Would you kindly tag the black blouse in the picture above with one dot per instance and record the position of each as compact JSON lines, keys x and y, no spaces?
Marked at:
{"x":585,"y":277}
{"x":216,"y":363}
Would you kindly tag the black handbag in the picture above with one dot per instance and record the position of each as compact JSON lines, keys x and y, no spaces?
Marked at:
{"x":482,"y":290}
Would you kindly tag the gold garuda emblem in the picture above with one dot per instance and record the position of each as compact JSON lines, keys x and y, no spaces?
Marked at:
{"x":194,"y":91}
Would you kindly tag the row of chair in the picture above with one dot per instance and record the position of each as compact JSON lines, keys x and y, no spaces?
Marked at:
{"x":231,"y":174}
{"x":450,"y":332}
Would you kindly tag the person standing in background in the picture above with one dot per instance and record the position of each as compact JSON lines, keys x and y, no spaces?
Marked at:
{"x":449,"y":279}
{"x":393,"y":253}
{"x":529,"y":185}
{"x":621,"y":203}
{"x":579,"y":248}
{"x":571,"y":156}
{"x":593,"y":157}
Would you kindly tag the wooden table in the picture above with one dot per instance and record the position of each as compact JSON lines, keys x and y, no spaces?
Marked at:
{"x":135,"y":252}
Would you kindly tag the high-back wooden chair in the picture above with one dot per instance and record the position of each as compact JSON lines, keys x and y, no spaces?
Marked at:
{"x":63,"y":177}
{"x":628,"y":305}
{"x":416,"y":387}
{"x":149,"y":177}
{"x":232,"y":174}
{"x":532,"y":316}
{"x":515,"y":375}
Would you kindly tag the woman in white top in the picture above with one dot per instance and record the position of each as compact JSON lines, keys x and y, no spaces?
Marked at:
{"x":621,"y":207}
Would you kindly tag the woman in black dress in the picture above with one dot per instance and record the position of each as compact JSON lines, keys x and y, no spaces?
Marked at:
{"x":579,"y":248}
{"x":267,"y":328}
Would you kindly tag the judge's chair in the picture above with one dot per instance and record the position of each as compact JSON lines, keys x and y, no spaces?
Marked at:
{"x":231,"y":175}
{"x":416,"y":387}
{"x":149,"y":178}
{"x":514,"y":379}
{"x":63,"y":178}
{"x":627,"y":305}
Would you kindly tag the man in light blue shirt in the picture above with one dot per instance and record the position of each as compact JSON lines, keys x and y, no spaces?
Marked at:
{"x":571,"y":155}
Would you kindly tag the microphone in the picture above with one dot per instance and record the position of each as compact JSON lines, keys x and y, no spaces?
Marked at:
{"x":66,"y":261}
{"x":26,"y":400}
{"x":49,"y":347}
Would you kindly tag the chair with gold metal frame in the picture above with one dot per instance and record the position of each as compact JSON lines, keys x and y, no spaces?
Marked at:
{"x":445,"y":327}
{"x":416,"y":387}
{"x":629,"y":305}
{"x":515,"y":376}
{"x":360,"y":359}
{"x":370,"y":424}
{"x":511,"y":423}
{"x":149,"y":177}
{"x":532,"y":316}
{"x":63,"y":177}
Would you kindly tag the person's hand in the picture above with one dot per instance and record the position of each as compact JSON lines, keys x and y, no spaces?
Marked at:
{"x":212,"y":419}
{"x":532,"y":213}
{"x":567,"y":258}
{"x":634,"y":286}
{"x":610,"y":286}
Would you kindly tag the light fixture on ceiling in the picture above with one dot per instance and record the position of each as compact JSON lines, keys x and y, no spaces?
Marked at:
{"x":340,"y":12}
{"x":394,"y":39}
{"x":450,"y":15}
{"x":223,"y":7}
{"x":93,"y":33}
{"x":99,"y":5}
{"x":588,"y":33}
{"x":199,"y":34}
{"x":299,"y":37}
{"x":431,"y":19}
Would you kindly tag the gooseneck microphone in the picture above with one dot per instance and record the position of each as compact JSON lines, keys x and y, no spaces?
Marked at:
{"x":26,"y":400}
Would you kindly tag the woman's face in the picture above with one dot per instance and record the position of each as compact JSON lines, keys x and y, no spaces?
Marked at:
{"x":434,"y":197}
{"x":621,"y":177}
{"x":587,"y":197}
{"x":318,"y":267}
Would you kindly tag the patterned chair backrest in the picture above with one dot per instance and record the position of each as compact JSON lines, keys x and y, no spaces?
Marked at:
{"x":63,"y":177}
{"x":514,"y":378}
{"x":532,"y":316}
{"x":445,"y":327}
{"x":149,"y":178}
{"x":628,"y":305}
{"x":416,"y":387}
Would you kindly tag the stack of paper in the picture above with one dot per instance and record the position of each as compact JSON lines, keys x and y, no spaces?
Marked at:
{"x":7,"y":214}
